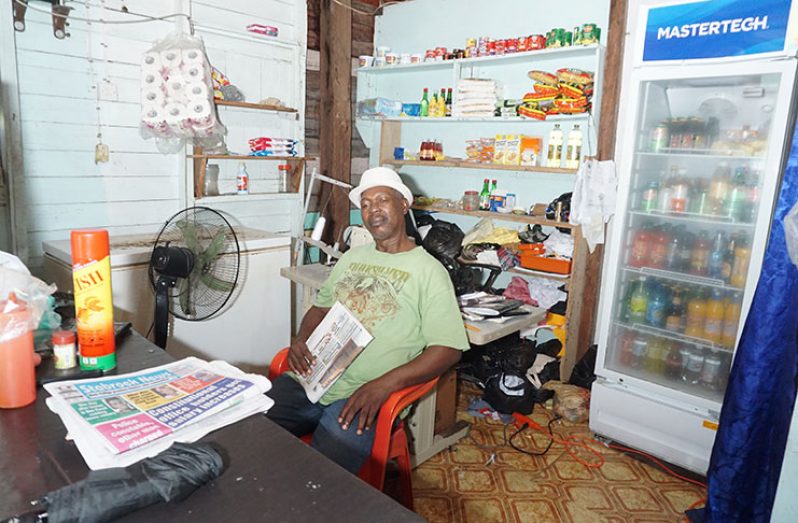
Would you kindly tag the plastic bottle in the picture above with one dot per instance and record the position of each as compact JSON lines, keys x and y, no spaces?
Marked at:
{"x":641,"y":247}
{"x":675,"y":319}
{"x":680,"y":195}
{"x":695,"y":362}
{"x":742,"y":257}
{"x":639,"y":350}
{"x":672,"y":259}
{"x":696,"y":313}
{"x":710,"y":371}
{"x":717,"y":256}
{"x":94,"y":308}
{"x":666,"y":192}
{"x":638,"y":302}
{"x":731,"y":320}
{"x":648,"y":197}
{"x":573,"y":151}
{"x":424,"y":110}
{"x":554,"y":157}
{"x":699,"y":262}
{"x":713,"y":323}
{"x":735,"y":204}
{"x":673,"y":363}
{"x":284,"y":171}
{"x":699,"y":201}
{"x":625,"y":349}
{"x":17,"y":373}
{"x":719,"y":188}
{"x":653,"y":359}
{"x":659,"y":248}
{"x":657,"y":307}
{"x":242,"y":179}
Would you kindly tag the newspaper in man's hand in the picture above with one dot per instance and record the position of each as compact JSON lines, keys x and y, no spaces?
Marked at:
{"x":335,"y":343}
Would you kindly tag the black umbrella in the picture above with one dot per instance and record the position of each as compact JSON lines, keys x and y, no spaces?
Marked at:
{"x":111,"y":493}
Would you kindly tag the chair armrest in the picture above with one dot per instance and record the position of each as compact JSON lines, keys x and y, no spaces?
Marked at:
{"x":279,"y":364}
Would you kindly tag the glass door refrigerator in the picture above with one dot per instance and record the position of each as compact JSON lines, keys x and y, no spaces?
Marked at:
{"x":699,"y":159}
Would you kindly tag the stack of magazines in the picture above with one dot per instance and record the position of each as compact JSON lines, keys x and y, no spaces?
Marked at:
{"x":118,"y":420}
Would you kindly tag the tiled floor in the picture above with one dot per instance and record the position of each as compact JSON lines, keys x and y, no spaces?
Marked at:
{"x":484,"y":480}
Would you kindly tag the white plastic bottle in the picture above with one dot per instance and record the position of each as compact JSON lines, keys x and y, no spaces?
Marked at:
{"x":554,"y":156}
{"x":573,"y":150}
{"x":242,"y":179}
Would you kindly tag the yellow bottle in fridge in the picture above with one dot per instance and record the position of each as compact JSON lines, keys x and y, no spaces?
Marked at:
{"x":731,"y":320}
{"x":713,"y":324}
{"x":696,"y":313}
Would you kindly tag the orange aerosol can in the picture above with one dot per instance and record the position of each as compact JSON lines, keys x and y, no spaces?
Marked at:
{"x":94,"y":311}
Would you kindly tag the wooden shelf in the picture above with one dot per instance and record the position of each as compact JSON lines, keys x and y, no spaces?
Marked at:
{"x":223,"y":198}
{"x":462,"y":164}
{"x":251,"y":105}
{"x":245,"y":157}
{"x":520,"y":218}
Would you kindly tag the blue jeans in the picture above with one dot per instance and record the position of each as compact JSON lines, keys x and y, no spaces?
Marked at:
{"x":294,"y":412}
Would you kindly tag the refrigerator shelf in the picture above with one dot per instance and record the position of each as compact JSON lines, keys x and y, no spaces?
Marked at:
{"x":672,"y":383}
{"x":674,"y":336}
{"x":681,"y":277}
{"x":708,"y":154}
{"x":693,"y":218}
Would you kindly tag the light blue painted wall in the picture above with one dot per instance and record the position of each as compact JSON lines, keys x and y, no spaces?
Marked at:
{"x":414,"y":26}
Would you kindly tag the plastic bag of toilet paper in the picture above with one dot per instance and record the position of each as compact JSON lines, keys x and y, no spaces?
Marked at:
{"x":177,"y":95}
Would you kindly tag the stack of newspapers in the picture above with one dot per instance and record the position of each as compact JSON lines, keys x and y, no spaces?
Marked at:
{"x":118,"y":420}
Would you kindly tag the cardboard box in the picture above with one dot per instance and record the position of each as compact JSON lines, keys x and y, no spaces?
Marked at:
{"x":446,"y":402}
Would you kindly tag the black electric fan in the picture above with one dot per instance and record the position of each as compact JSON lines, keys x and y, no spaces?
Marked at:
{"x":193,"y":267}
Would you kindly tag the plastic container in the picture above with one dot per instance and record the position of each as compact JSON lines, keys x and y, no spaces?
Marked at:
{"x":242,"y":180}
{"x":284,"y":179}
{"x":64,"y":352}
{"x":17,"y":375}
{"x":94,"y":310}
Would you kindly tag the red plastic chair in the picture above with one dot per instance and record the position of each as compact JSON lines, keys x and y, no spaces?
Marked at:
{"x":390,"y":441}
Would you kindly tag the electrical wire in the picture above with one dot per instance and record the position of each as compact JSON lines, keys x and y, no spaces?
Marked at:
{"x":658,"y":462}
{"x":523,"y":428}
{"x":367,"y":13}
{"x":147,"y":18}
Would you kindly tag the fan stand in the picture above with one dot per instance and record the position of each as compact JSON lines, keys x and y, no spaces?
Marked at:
{"x":162,"y":309}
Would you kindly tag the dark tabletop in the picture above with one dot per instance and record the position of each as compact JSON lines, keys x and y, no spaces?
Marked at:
{"x":271,"y":476}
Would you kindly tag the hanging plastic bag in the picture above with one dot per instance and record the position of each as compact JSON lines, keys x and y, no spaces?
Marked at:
{"x":177,"y":95}
{"x":18,"y":290}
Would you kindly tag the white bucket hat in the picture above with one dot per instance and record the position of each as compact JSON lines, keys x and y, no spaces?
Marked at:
{"x":380,"y":177}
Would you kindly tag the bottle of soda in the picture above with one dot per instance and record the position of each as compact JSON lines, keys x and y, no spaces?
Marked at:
{"x":674,"y":322}
{"x":484,"y":195}
{"x":659,"y":248}
{"x":424,"y":111}
{"x":625,"y":349}
{"x":641,"y":246}
{"x":673,"y":363}
{"x":657,"y":308}
{"x":696,"y":314}
{"x":699,"y":201}
{"x":713,"y":324}
{"x":717,"y":256}
{"x":692,"y":370}
{"x":638,"y":302}
{"x":731,"y":320}
{"x":672,"y":260}
{"x":639,"y":351}
{"x":699,"y":263}
{"x":736,"y":202}
{"x":648,"y":198}
{"x":710,"y":372}
{"x":653,"y":359}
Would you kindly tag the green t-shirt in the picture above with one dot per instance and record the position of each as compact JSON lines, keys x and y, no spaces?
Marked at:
{"x":405,"y":300}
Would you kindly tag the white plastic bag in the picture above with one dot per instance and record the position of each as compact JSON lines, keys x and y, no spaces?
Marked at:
{"x":27,"y":291}
{"x":177,"y":95}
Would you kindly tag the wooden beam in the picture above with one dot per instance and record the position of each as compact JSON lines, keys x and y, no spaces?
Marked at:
{"x":335,"y":134}
{"x":610,"y":96}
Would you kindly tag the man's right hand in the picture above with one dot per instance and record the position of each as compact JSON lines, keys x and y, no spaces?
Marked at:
{"x":299,"y":358}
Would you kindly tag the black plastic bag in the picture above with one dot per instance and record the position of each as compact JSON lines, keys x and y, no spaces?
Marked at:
{"x":584,"y":373}
{"x":444,"y":240}
{"x":508,"y":393}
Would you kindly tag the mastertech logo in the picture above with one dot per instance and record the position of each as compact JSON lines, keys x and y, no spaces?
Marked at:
{"x":716,"y":29}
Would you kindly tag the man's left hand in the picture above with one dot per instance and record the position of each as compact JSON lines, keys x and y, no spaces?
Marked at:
{"x":367,"y":400}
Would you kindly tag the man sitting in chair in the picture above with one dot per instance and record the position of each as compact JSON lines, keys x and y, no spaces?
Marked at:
{"x":405,"y":299}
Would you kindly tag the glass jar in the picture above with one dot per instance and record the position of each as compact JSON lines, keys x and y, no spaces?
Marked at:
{"x":471,"y":201}
{"x":211,"y":185}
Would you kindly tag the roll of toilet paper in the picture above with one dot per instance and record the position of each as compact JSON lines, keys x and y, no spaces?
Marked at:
{"x":200,"y":113}
{"x":175,"y":118}
{"x":151,"y":61}
{"x":153,"y":118}
{"x":195,"y":72}
{"x":193,"y":57}
{"x":197,"y":91}
{"x":176,"y":88}
{"x":152,"y":96}
{"x":172,"y":58}
{"x":151,"y":79}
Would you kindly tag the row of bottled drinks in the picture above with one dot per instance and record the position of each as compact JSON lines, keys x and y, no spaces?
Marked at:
{"x":717,"y":255}
{"x":727,"y":195}
{"x":679,"y":363}
{"x":712,"y":315}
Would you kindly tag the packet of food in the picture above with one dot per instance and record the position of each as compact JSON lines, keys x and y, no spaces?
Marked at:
{"x":512,"y":150}
{"x":499,"y":147}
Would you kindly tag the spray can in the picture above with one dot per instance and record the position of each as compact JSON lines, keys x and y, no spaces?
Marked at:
{"x":94,"y":311}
